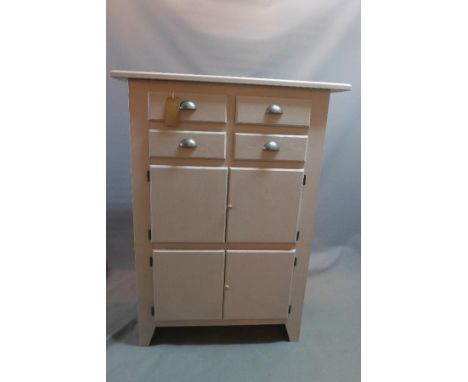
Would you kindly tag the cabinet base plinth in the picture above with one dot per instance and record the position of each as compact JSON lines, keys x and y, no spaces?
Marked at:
{"x":277,"y":332}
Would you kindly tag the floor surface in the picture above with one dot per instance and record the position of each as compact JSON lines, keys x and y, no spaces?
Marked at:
{"x":328,"y":349}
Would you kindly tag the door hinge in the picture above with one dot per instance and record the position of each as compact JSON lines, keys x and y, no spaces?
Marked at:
{"x":151,"y":261}
{"x":289,"y":309}
{"x":295,"y":261}
{"x":297,"y":236}
{"x":149,"y":234}
{"x":152,"y":311}
{"x":148,"y":176}
{"x":304,"y":180}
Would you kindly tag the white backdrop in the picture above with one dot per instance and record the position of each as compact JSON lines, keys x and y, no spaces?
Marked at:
{"x":295,"y":39}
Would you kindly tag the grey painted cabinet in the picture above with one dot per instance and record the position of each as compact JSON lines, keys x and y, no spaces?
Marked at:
{"x":225,"y":174}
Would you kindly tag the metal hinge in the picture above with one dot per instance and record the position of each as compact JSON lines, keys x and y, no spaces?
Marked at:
{"x":151,"y":261}
{"x":148,"y":176}
{"x":304,"y":180}
{"x":152,"y":311}
{"x":297,"y":236}
{"x":289,"y":309}
{"x":295,"y":261}
{"x":149,"y":234}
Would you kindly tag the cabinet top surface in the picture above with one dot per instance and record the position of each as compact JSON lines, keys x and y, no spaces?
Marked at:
{"x":334,"y":87}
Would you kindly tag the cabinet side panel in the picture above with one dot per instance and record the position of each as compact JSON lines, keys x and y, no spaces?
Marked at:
{"x":141,"y":213}
{"x":310,"y":190}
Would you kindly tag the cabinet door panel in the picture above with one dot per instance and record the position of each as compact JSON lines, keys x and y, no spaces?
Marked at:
{"x":258,"y":284}
{"x":188,"y":285}
{"x":265,"y":205}
{"x":188,"y":204}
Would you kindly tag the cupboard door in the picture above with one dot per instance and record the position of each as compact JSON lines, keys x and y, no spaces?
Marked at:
{"x":188,"y":204}
{"x":263,"y":205}
{"x":257,"y":284}
{"x":188,"y":285}
{"x":187,"y":144}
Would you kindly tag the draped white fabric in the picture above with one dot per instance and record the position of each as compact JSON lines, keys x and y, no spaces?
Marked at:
{"x":295,"y":39}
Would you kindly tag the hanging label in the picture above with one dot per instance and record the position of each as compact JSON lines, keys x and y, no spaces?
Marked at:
{"x":171,"y":111}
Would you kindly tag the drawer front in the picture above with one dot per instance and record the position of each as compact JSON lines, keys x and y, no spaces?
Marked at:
{"x":271,"y":147}
{"x":273,"y":111}
{"x":208,"y":107}
{"x":187,"y":144}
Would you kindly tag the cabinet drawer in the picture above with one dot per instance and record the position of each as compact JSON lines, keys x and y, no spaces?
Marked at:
{"x":208,"y":107}
{"x":270,"y":147}
{"x":273,"y":111}
{"x":187,"y":144}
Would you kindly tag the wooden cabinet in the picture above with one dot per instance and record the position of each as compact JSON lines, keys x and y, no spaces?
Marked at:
{"x":224,"y":194}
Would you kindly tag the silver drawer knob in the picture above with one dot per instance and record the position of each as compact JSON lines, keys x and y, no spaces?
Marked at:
{"x":271,"y":146}
{"x":188,"y":143}
{"x":188,"y":105}
{"x":274,"y":109}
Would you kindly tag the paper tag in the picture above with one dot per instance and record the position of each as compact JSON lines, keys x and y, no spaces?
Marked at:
{"x":171,"y":111}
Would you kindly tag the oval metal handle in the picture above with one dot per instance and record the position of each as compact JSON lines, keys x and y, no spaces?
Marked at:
{"x":271,"y":146}
{"x":187,"y":105}
{"x":274,"y":109}
{"x":188,"y":143}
